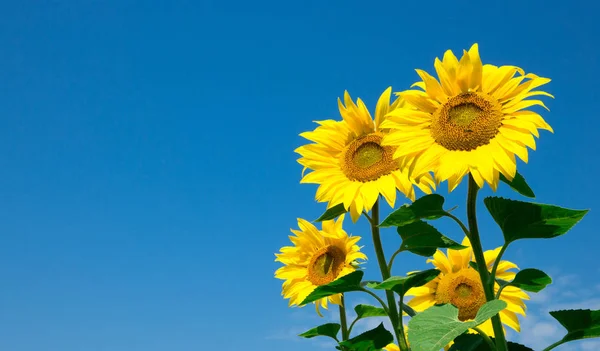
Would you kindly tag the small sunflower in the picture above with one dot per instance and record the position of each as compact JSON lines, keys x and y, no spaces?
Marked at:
{"x":318,"y":257}
{"x":349,"y":162}
{"x":473,"y":120}
{"x":460,"y":285}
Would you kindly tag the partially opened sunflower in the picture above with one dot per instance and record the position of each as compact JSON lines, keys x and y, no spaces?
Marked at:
{"x":472,"y":119}
{"x":349,"y":162}
{"x":459,"y":284}
{"x":318,"y":257}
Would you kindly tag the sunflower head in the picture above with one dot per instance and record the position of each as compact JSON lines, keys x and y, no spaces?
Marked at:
{"x":460,"y":285}
{"x":472,"y":119}
{"x":316,"y":258}
{"x":350,"y":163}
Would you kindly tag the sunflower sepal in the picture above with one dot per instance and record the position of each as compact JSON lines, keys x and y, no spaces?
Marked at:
{"x":329,"y":329}
{"x":423,"y":239}
{"x":426,"y":207}
{"x":332,"y":213}
{"x":347,"y":283}
{"x":437,"y":326}
{"x":580,"y":324}
{"x":528,"y":220}
{"x":374,"y":339}
{"x":401,"y":285}
{"x":518,"y":184}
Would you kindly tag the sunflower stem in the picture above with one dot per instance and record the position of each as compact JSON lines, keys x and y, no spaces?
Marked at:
{"x":495,"y":267}
{"x":392,"y":260}
{"x":343,"y":321}
{"x":381,"y":302}
{"x":385,"y":274}
{"x":486,"y":338}
{"x":559,"y":342}
{"x":480,"y":259}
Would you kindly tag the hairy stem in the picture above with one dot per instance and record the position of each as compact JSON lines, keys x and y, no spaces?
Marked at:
{"x":480,"y":259}
{"x":385,"y":274}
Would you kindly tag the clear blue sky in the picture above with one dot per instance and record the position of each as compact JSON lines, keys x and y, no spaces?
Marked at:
{"x":147,"y":172}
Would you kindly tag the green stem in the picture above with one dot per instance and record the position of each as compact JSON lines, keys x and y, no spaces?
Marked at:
{"x":480,"y":259}
{"x":460,"y":223}
{"x":343,"y":321}
{"x":495,"y":267}
{"x":486,"y":338}
{"x":352,"y":326}
{"x":392,"y":260}
{"x":559,"y":342}
{"x":385,"y":274}
{"x":381,"y":302}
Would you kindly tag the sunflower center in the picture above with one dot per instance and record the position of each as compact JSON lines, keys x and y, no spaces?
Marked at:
{"x":326,"y":264}
{"x":467,"y":121}
{"x":367,"y":155}
{"x":464,"y":290}
{"x":364,"y":159}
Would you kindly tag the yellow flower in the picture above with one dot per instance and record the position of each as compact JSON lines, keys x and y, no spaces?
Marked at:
{"x":391,"y":347}
{"x":473,"y":120}
{"x":460,"y":285}
{"x":318,"y":257}
{"x":350,"y":164}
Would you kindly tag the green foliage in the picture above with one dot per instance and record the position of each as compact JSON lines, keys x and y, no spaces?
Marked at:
{"x":330,"y":329}
{"x":350,"y":282}
{"x":426,"y":207}
{"x":526,"y":220}
{"x":531,"y":279}
{"x":400,"y":285}
{"x":518,"y":184}
{"x":364,"y":311}
{"x":580,"y":324}
{"x":371,"y":340}
{"x":332,"y":213}
{"x":423,"y":239}
{"x":474,"y":342}
{"x":435,"y":327}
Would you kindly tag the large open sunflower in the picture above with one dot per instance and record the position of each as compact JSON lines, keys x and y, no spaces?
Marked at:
{"x":460,"y":285}
{"x":318,"y":257}
{"x":349,"y":162}
{"x":473,"y":120}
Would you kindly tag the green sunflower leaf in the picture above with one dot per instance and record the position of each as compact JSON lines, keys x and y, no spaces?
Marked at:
{"x":347,"y":283}
{"x":423,"y":239}
{"x":526,"y":220}
{"x":400,"y":285}
{"x":330,"y":329}
{"x":475,"y":342}
{"x":580,"y":324}
{"x":518,"y":184}
{"x":426,"y":207}
{"x":364,"y":311}
{"x":435,"y":327}
{"x":374,"y":339}
{"x":531,"y":279}
{"x":332,"y":213}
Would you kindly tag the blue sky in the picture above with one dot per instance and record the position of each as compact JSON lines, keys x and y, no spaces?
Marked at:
{"x":147,"y":172}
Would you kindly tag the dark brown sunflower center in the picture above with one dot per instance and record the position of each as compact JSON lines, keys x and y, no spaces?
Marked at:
{"x":325,"y":265}
{"x":364,"y":159}
{"x":464,"y":290}
{"x":466,"y":121}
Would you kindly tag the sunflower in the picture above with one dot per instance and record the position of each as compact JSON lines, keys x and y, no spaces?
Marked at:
{"x":318,"y":257}
{"x":473,"y":120}
{"x":350,"y":164}
{"x":460,"y":285}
